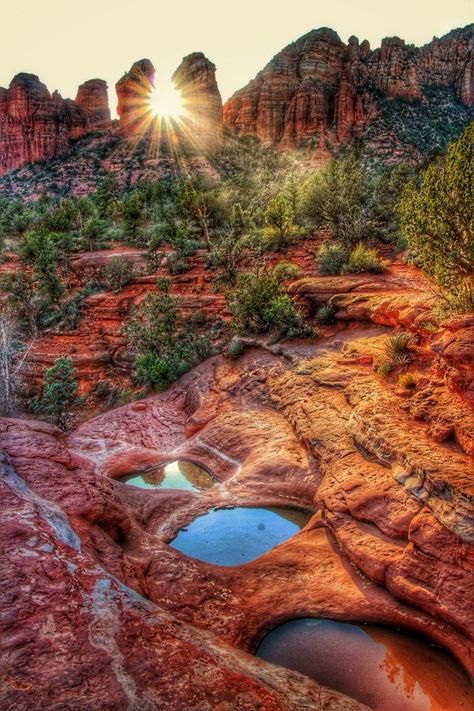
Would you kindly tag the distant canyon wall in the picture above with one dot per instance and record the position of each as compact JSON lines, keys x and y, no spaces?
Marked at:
{"x":35,"y":124}
{"x":319,"y":84}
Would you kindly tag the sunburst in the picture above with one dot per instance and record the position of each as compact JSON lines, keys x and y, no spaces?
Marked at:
{"x":166,"y":102}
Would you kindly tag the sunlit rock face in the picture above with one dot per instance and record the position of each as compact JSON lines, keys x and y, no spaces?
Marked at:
{"x":36,"y":125}
{"x":195,"y":78}
{"x":320,"y":84}
{"x":133,"y":94}
{"x":196,"y":126}
{"x":92,"y":98}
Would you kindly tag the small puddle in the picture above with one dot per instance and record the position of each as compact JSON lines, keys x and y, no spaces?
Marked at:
{"x":380,"y":667}
{"x":179,"y":474}
{"x":238,"y":535}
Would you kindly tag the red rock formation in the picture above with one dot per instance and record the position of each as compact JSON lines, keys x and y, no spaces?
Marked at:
{"x":195,"y":79}
{"x":36,"y":125}
{"x":93,"y":99}
{"x":88,"y":570}
{"x":133,"y":94}
{"x":318,"y":82}
{"x":199,"y":129}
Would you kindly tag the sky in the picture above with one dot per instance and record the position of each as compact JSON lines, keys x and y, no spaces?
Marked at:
{"x":65,"y":43}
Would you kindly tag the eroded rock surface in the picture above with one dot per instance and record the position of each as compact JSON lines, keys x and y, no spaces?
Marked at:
{"x":133,"y":94}
{"x":36,"y":125}
{"x":195,"y":79}
{"x":94,"y":596}
{"x":319,"y":87}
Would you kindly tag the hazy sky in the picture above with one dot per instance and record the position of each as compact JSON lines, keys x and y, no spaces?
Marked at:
{"x":66,"y":42}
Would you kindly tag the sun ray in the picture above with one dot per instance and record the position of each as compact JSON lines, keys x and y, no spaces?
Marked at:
{"x":165,"y":101}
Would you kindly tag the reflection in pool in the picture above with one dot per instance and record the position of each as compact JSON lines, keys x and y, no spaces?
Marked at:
{"x":173,"y":475}
{"x":384,"y":669}
{"x":238,"y":535}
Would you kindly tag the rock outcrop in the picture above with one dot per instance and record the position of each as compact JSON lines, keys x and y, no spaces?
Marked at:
{"x":195,"y":79}
{"x":133,"y":95}
{"x":36,"y":125}
{"x":199,"y":129}
{"x":93,"y":100}
{"x":320,"y":86}
{"x":88,"y":573}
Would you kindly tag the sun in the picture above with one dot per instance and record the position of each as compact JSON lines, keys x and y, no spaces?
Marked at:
{"x":166,"y":101}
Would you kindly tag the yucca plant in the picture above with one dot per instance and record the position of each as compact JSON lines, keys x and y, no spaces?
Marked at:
{"x":399,"y":348}
{"x":325,"y":315}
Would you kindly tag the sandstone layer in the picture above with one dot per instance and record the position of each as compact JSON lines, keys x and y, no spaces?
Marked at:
{"x":320,"y":88}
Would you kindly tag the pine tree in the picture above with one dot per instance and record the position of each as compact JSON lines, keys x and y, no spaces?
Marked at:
{"x":438,"y":218}
{"x":59,"y":392}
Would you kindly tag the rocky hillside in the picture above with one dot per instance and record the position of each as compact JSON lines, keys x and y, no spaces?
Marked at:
{"x":320,"y":91}
{"x":404,"y":102}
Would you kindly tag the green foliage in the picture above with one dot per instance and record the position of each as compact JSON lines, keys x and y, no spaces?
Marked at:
{"x":280,"y":229}
{"x":119,"y":272}
{"x":421,"y":129}
{"x":337,"y":196}
{"x":400,"y":349}
{"x":335,"y":258}
{"x":363,"y":259}
{"x":384,"y":369}
{"x":23,"y":297}
{"x":325,"y":315}
{"x":456,"y":303}
{"x":332,"y":258}
{"x":438,"y":218}
{"x":59,"y":392}
{"x":165,"y":346}
{"x":258,"y":304}
{"x":236,"y":348}
{"x":228,"y":253}
{"x":39,"y":248}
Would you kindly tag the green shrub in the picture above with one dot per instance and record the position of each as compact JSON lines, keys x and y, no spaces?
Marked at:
{"x":438,"y":217}
{"x":258,"y":303}
{"x":400,"y":349}
{"x":363,"y":259}
{"x":119,"y":272}
{"x":332,"y":259}
{"x":384,"y":369}
{"x":280,"y":229}
{"x":59,"y":392}
{"x":458,"y":302}
{"x":325,"y":315}
{"x":236,"y":348}
{"x":165,"y":344}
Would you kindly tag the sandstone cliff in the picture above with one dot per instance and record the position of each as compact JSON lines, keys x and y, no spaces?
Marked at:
{"x":199,"y":129}
{"x":133,"y":94}
{"x":195,"y":78}
{"x":35,"y":124}
{"x":93,"y":99}
{"x":318,"y":86}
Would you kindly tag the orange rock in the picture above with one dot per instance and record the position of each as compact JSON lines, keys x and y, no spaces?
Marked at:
{"x":319,"y":84}
{"x":36,"y":125}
